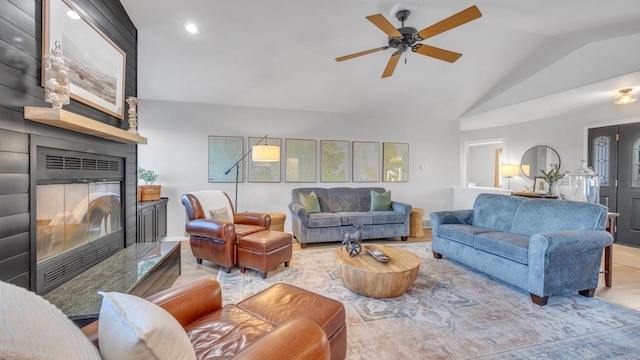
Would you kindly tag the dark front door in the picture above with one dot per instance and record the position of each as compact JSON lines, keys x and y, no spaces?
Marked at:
{"x":629,"y":184}
{"x":614,"y":153}
{"x":603,"y":158}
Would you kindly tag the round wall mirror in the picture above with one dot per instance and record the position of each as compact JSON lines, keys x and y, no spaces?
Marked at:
{"x":538,"y":158}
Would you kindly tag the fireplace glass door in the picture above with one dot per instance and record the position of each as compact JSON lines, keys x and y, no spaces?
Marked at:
{"x":71,"y":215}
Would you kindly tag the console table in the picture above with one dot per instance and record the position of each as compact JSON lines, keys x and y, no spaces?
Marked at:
{"x":610,"y":226}
{"x":140,"y":269}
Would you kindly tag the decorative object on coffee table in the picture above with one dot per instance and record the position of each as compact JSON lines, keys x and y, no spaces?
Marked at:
{"x":352,"y":242}
{"x":369,"y":277}
{"x":133,"y":114}
{"x":148,"y":192}
{"x":377,"y":253}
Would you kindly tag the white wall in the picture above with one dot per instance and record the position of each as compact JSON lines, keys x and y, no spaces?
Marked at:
{"x":565,"y":133}
{"x":177,"y":151}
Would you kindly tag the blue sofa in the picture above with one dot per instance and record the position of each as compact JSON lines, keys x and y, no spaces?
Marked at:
{"x":546,"y":247}
{"x":340,"y":209}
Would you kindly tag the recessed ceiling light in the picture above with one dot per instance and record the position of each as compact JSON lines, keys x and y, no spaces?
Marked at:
{"x":191,"y":28}
{"x":72,"y":14}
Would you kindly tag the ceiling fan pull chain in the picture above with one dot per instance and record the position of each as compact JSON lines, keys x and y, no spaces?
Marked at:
{"x":405,"y":58}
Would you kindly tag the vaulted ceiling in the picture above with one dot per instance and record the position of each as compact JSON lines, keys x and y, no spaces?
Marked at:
{"x":522,"y":60}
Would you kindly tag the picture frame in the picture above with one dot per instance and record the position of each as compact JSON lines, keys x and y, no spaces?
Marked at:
{"x":365,"y":161}
{"x":262,"y":171}
{"x":395,"y":159}
{"x":96,"y":64}
{"x":334,"y":161}
{"x":540,"y":185}
{"x":300,"y":165}
{"x":223,"y":152}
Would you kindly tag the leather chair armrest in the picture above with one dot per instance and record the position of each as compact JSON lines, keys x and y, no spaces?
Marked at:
{"x":186,"y":302}
{"x":252,"y":218}
{"x":296,"y":339}
{"x":213,"y":229}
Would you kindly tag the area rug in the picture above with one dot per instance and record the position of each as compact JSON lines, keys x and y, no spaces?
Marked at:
{"x":453,"y":312}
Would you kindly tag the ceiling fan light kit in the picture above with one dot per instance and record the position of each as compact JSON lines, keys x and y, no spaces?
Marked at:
{"x":404,"y":38}
{"x":625,"y":97}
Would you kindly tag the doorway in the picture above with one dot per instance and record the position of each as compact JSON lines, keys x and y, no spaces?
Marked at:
{"x":614,"y":153}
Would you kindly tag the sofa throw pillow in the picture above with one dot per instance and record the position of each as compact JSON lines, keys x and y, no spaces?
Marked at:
{"x":309,"y":202}
{"x":33,"y":328}
{"x":380,"y":202}
{"x":220,"y":214}
{"x":131,"y":327}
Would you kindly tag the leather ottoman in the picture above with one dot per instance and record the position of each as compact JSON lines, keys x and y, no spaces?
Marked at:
{"x":264,"y":250}
{"x":282,"y":302}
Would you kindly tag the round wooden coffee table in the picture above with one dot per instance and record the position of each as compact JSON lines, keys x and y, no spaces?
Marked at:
{"x":369,"y":277}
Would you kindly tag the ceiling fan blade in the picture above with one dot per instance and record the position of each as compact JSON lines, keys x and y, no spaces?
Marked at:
{"x":383,"y":24}
{"x":449,"y":23}
{"x":347,"y":57}
{"x":435,"y":52}
{"x":391,"y":65}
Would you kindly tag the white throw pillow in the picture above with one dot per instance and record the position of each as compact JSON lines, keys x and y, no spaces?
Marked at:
{"x":131,"y":327}
{"x":33,"y":328}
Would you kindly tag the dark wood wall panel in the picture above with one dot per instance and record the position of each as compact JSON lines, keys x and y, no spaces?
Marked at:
{"x":20,"y":67}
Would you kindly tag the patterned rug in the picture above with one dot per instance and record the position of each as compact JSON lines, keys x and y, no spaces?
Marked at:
{"x":453,"y":312}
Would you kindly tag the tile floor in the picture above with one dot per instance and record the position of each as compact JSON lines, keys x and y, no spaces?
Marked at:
{"x":625,"y":288}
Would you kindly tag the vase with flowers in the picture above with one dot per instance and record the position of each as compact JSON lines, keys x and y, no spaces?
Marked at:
{"x":551,"y":177}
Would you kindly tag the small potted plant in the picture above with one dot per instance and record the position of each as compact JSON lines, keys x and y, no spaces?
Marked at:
{"x":148,"y":192}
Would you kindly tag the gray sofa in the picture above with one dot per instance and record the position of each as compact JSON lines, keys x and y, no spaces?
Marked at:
{"x":341,"y":208}
{"x":546,"y":247}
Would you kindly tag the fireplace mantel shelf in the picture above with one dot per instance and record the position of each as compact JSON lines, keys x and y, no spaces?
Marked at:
{"x":70,"y":121}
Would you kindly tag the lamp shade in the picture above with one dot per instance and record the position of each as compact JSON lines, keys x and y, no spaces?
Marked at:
{"x":526,"y":169}
{"x":265,"y":153}
{"x":510,"y":170}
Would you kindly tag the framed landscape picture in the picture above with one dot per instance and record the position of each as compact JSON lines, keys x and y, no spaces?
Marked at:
{"x":366,"y":161}
{"x":96,"y":64}
{"x":300,"y":158}
{"x":224,"y":151}
{"x":334,"y":162}
{"x":395,"y":162}
{"x":264,"y":171}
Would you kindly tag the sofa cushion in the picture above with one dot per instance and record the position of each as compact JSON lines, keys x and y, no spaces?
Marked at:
{"x":355,"y":218}
{"x":507,"y":245}
{"x":496,"y":211}
{"x":131,"y":327}
{"x":380,"y":202}
{"x":224,"y":333}
{"x":387,"y":217}
{"x":220,"y":214}
{"x":320,"y":220}
{"x":461,"y":233}
{"x":309,"y":202}
{"x":543,"y":215}
{"x":32,"y":328}
{"x":344,"y":199}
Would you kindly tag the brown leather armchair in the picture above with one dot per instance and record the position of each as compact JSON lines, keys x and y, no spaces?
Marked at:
{"x":232,"y":332}
{"x":215,"y":240}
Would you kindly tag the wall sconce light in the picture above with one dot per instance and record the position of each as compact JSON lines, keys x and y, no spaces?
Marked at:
{"x":509,"y":171}
{"x":625,"y":97}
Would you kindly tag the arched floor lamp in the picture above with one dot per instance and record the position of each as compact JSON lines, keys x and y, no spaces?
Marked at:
{"x":266,"y":153}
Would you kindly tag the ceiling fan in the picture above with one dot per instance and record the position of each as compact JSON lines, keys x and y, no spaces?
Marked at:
{"x":404,"y":38}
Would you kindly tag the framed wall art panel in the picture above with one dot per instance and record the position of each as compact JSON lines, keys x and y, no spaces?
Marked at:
{"x":300,"y":160}
{"x":224,"y":151}
{"x":366,"y":161}
{"x":395,"y":162}
{"x":96,"y":64}
{"x":263,"y":171}
{"x":334,"y":162}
